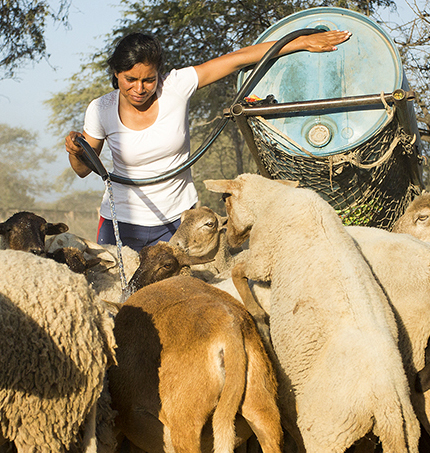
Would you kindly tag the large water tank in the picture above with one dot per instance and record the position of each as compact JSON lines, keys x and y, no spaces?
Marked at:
{"x":368,"y":63}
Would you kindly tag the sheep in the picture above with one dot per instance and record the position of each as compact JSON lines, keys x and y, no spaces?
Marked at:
{"x":91,"y":251}
{"x":56,"y":344}
{"x":416,"y":218}
{"x":103,"y":277}
{"x":27,"y":231}
{"x":74,"y":259}
{"x":331,"y":326}
{"x":198,"y":354}
{"x":401,"y":264}
{"x":202,"y":233}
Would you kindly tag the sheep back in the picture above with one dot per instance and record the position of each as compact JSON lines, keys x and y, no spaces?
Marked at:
{"x":55,"y":345}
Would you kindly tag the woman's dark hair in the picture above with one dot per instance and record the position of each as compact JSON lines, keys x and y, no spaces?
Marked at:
{"x":132,"y":49}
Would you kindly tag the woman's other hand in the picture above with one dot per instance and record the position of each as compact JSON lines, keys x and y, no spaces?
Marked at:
{"x":323,"y":42}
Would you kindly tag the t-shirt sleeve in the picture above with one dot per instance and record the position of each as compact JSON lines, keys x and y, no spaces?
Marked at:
{"x":184,"y":80}
{"x":92,"y":124}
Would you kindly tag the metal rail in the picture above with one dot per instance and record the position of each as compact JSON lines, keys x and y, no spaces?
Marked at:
{"x":318,"y":105}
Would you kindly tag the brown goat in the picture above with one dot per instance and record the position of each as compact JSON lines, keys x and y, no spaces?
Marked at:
{"x":158,"y":262}
{"x":26,"y":231}
{"x":187,"y":353}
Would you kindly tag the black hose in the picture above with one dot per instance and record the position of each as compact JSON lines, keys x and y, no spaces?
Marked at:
{"x":92,"y":160}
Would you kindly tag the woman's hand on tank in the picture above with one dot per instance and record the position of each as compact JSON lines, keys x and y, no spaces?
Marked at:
{"x":324,"y":42}
{"x":72,"y":147}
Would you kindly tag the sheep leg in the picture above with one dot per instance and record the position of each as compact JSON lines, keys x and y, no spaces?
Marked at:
{"x":89,"y":441}
{"x":240,"y":281}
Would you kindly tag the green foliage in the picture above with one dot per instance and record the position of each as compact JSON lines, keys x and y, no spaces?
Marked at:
{"x":359,"y":215}
{"x":68,"y":107}
{"x":22,"y":31}
{"x":21,"y":160}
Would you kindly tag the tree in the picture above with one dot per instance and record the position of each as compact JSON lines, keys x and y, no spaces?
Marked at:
{"x":22,"y":31}
{"x":412,"y":37}
{"x":21,"y":160}
{"x":413,"y":40}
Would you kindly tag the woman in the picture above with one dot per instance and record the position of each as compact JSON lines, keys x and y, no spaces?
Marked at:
{"x":145,"y":124}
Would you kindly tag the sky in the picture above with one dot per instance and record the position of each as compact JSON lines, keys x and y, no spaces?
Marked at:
{"x":21,"y":101}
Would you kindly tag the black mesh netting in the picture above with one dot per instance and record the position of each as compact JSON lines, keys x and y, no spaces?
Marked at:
{"x":368,"y":185}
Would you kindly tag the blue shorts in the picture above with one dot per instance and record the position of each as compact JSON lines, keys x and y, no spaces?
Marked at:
{"x":135,"y":236}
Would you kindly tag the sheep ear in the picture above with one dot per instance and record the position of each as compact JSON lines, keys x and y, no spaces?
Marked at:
{"x":287,"y":182}
{"x":220,"y":185}
{"x":55,"y":228}
{"x":3,"y":228}
{"x":222,"y":221}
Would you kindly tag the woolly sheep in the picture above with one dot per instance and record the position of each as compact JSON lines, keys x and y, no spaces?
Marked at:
{"x":416,"y":218}
{"x":56,"y":345}
{"x":401,"y":264}
{"x":331,"y":326}
{"x":198,"y":354}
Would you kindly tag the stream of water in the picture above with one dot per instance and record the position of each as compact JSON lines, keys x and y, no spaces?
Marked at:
{"x":108,"y":183}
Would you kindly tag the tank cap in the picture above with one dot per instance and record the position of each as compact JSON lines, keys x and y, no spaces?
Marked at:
{"x":319,"y":135}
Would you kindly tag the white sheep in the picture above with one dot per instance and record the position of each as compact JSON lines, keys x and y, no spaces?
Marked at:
{"x":56,"y":343}
{"x":416,"y":218}
{"x":332,"y":328}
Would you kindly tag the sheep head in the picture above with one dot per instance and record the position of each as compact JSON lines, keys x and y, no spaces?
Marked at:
{"x":242,"y":197}
{"x":416,"y":219}
{"x":26,"y":231}
{"x":199,"y":232}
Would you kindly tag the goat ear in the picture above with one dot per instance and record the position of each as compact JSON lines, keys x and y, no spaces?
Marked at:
{"x":55,"y":228}
{"x":221,"y":185}
{"x":287,"y":182}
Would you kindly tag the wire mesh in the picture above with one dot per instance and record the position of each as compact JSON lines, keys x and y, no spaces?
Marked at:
{"x":369,"y":185}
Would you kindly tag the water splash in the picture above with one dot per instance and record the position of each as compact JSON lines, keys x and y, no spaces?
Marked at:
{"x":108,"y":183}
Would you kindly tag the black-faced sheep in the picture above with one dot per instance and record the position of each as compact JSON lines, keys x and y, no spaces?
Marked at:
{"x":55,"y":346}
{"x":333,"y":331}
{"x":26,"y":231}
{"x":198,"y":355}
{"x":416,"y":218}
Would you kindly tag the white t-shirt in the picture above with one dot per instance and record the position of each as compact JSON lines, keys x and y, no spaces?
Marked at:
{"x":161,"y":147}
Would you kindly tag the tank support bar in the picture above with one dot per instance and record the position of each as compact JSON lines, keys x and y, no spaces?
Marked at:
{"x":323,"y":104}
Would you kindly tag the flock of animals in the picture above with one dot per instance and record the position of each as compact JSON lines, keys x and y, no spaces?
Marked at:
{"x":275,"y":323}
